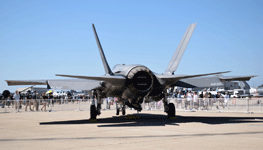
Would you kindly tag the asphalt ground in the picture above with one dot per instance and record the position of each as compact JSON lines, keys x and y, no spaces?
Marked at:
{"x":145,"y":130}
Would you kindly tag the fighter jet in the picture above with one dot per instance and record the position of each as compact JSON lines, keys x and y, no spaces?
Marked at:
{"x":130,"y":84}
{"x":216,"y":82}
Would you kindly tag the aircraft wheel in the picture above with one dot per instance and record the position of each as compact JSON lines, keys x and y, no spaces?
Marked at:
{"x":117,"y":111}
{"x":171,"y":111}
{"x":93,"y":112}
{"x":123,"y":112}
{"x":98,"y":109}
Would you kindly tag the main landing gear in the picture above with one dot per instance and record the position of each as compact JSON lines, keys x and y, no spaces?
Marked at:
{"x":168,"y":108}
{"x":95,"y":111}
{"x":171,"y":111}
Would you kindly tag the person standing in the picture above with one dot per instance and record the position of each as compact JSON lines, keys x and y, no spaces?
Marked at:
{"x":17,"y":98}
{"x":179,"y":99}
{"x":226,"y":99}
{"x":44,"y":102}
{"x":219,"y":100}
{"x":9,"y":100}
{"x":21,"y":100}
{"x":28,"y":103}
{"x":195,"y":100}
{"x":35,"y":102}
{"x":189,"y":97}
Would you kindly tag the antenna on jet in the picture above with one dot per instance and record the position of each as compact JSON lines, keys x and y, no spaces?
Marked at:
{"x":103,"y":58}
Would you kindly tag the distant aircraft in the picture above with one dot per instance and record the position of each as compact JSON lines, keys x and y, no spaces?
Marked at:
{"x":131,"y":84}
{"x":215,"y":82}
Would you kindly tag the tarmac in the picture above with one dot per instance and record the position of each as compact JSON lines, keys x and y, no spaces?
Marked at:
{"x":145,"y":130}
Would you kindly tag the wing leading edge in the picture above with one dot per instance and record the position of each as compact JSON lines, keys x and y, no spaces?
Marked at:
{"x":115,"y":80}
{"x":171,"y":79}
{"x":70,"y":84}
{"x":26,"y":82}
{"x":236,"y":78}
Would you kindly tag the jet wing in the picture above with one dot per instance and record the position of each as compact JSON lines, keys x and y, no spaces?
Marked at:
{"x":26,"y":82}
{"x":71,"y":84}
{"x":114,"y":80}
{"x":75,"y":84}
{"x":236,"y":78}
{"x":171,"y":79}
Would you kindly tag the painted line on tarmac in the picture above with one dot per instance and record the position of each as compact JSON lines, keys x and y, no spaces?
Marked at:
{"x":131,"y":137}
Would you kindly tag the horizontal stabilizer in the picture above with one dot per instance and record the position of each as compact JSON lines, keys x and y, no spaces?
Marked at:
{"x":171,"y":79}
{"x":70,"y":84}
{"x":26,"y":82}
{"x":236,"y":78}
{"x":115,"y":80}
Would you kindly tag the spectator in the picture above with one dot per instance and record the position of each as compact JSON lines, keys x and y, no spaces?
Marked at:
{"x":44,"y":102}
{"x":179,"y":98}
{"x":219,"y":100}
{"x":195,"y":97}
{"x":205,"y":99}
{"x":189,"y":97}
{"x":28,"y":101}
{"x":226,"y":99}
{"x":35,"y":102}
{"x":9,"y":100}
{"x":20,"y":100}
{"x":210,"y":99}
{"x":17,"y":98}
{"x":201,"y":95}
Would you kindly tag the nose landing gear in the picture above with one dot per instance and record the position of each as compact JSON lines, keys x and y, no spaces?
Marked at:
{"x":122,"y":110}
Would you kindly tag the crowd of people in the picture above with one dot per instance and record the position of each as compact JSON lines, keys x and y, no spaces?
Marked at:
{"x":30,"y":100}
{"x":185,"y":99}
{"x":33,"y":100}
{"x":193,"y":100}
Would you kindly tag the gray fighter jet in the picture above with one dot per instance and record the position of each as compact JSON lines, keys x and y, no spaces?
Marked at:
{"x":215,"y":82}
{"x":131,"y":84}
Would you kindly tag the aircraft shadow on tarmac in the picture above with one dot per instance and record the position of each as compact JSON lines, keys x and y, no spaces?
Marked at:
{"x":156,"y":120}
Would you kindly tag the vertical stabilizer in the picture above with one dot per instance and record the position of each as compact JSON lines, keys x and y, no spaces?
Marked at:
{"x":244,"y":85}
{"x":174,"y":62}
{"x":103,"y":58}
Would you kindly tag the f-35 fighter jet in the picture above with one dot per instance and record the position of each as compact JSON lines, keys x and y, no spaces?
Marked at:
{"x":131,"y":84}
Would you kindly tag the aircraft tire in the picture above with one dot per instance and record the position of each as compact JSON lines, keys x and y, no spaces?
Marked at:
{"x":93,"y":112}
{"x":117,"y":111}
{"x":123,"y":112}
{"x":171,"y":111}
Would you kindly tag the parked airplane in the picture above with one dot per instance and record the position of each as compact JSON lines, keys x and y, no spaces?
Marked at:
{"x":216,"y":82}
{"x":131,"y":84}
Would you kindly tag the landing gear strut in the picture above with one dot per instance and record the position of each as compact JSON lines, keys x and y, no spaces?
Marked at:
{"x":123,"y":110}
{"x":94,"y":111}
{"x":117,"y":111}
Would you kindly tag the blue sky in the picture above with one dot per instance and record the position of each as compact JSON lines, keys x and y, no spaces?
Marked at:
{"x":39,"y":39}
